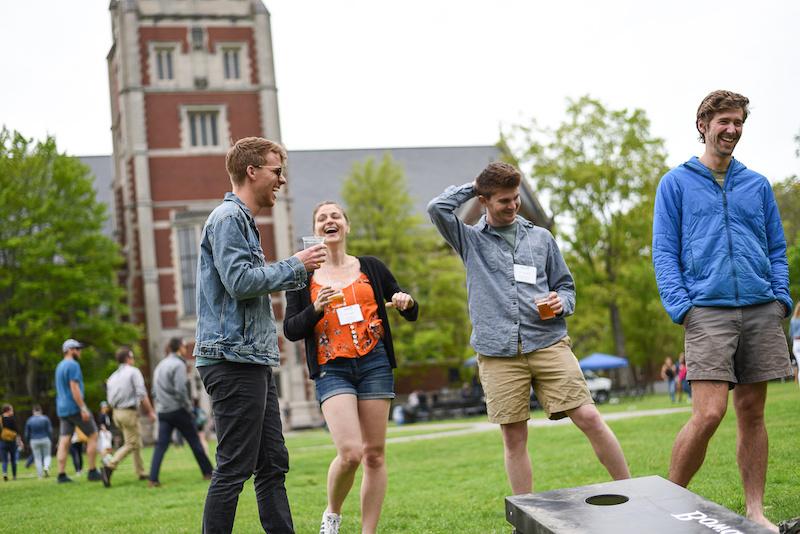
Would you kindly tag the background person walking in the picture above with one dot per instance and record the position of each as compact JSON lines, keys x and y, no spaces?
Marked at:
{"x":174,"y":407}
{"x":39,"y":436}
{"x":668,"y":374}
{"x":126,"y":393}
{"x":72,"y":410}
{"x":8,"y":441}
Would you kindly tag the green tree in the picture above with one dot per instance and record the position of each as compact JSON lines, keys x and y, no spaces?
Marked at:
{"x":599,"y":170}
{"x":382,"y":224}
{"x":57,"y":271}
{"x":787,"y":193}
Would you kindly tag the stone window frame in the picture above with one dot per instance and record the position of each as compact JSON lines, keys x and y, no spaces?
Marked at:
{"x":222,"y":128}
{"x":187,"y":224}
{"x":156,"y":47}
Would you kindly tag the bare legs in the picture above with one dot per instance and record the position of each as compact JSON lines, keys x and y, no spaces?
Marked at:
{"x":358,"y":429}
{"x":61,"y":453}
{"x":752,"y":448}
{"x":589,"y":421}
{"x":604,"y":442}
{"x":517,"y":461}
{"x":689,"y":451}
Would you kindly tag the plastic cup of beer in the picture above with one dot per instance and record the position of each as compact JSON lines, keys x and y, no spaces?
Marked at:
{"x":337,"y":300}
{"x":311,"y":240}
{"x":545,"y":311}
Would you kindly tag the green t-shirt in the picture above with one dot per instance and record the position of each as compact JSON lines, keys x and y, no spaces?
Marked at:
{"x":509,"y":233}
{"x":719,"y":176}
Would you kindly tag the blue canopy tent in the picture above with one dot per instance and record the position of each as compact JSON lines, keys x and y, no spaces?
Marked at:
{"x":598,"y":361}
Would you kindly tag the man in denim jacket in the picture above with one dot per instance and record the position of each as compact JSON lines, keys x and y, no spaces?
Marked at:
{"x":511,"y":264}
{"x":237,"y":342}
{"x":720,"y":261}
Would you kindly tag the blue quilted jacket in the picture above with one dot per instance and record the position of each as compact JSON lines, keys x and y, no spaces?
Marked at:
{"x":718,"y":246}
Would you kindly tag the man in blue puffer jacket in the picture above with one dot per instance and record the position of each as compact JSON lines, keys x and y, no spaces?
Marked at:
{"x":720,"y":261}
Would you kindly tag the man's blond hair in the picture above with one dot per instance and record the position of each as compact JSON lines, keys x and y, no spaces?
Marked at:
{"x":250,"y":151}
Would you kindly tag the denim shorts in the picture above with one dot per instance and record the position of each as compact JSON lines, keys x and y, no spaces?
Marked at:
{"x":367,"y":377}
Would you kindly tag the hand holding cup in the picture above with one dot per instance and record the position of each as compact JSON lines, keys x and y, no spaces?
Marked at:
{"x":314,"y":252}
{"x":325,"y":296}
{"x":549,"y":305}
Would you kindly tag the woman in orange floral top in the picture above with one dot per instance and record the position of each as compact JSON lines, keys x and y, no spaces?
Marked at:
{"x":342,"y":317}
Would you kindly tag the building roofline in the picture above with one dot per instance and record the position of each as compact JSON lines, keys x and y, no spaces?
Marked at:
{"x":389,"y":148}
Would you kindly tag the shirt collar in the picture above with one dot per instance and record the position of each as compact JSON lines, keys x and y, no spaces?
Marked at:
{"x":482,"y":225}
{"x":231,"y":197}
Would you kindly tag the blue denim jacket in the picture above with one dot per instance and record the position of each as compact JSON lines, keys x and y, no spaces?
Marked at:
{"x":502,"y":311}
{"x":235,"y":320}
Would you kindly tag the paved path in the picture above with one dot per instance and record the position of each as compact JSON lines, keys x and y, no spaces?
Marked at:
{"x":440,"y":430}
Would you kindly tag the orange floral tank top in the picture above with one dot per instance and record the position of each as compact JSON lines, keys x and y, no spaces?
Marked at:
{"x":353,"y":340}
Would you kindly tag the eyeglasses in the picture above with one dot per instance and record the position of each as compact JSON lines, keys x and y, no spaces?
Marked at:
{"x":277,"y":170}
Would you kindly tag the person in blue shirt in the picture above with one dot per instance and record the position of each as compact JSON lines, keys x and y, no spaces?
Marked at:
{"x":38,"y":436}
{"x":72,"y":411}
{"x":720,"y":261}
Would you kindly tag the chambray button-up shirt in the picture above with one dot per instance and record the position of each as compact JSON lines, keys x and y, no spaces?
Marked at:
{"x":502,"y":310}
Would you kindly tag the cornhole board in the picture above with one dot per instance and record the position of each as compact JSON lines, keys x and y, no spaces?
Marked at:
{"x":646,"y":505}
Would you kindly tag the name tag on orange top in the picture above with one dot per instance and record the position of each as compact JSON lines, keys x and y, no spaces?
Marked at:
{"x":525,"y":273}
{"x":349,"y":314}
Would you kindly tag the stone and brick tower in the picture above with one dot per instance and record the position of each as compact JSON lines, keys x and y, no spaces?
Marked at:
{"x":186,"y":77}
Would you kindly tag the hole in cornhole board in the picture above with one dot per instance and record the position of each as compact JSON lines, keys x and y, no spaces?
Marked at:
{"x":608,"y":499}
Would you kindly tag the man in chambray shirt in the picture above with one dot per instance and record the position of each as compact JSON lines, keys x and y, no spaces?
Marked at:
{"x":511,"y":266}
{"x":237,"y":342}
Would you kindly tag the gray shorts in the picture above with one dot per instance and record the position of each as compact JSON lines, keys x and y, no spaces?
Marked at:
{"x":67,"y":425}
{"x":737,"y":345}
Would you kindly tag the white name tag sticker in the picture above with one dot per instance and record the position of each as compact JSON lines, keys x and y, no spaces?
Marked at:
{"x":525,"y":274}
{"x":349,"y":314}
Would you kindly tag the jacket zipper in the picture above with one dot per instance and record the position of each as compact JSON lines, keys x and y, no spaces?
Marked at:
{"x":730,"y":243}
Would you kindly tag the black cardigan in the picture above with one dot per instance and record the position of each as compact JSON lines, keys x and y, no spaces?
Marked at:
{"x":301,"y":318}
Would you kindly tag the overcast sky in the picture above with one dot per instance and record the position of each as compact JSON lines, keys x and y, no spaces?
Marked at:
{"x":358,"y":74}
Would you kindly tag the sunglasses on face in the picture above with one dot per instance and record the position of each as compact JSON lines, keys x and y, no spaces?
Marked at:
{"x":277,"y":170}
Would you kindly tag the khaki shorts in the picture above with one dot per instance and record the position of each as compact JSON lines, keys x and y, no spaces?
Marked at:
{"x":556,"y":376}
{"x":737,"y":345}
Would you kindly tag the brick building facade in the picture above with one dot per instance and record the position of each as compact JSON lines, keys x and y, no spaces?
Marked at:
{"x":185,"y":78}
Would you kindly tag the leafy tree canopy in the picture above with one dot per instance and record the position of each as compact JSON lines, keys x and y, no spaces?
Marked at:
{"x":57,"y":271}
{"x":382,"y":224}
{"x":599,"y":169}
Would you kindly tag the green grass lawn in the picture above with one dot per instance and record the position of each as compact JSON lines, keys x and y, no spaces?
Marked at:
{"x":452,"y":484}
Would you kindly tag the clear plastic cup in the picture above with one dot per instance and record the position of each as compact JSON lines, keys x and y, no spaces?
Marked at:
{"x":311,"y":240}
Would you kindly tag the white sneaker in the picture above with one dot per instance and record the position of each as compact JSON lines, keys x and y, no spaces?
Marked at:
{"x":330,"y":523}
